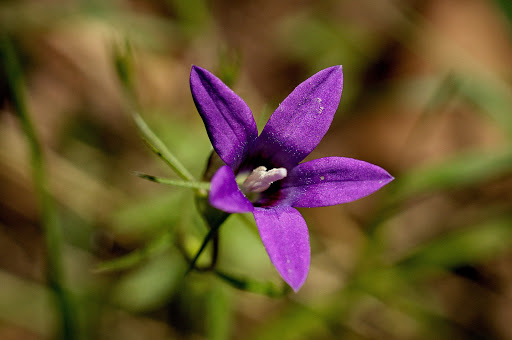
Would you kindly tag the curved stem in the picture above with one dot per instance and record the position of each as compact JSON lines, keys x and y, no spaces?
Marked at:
{"x":212,"y":235}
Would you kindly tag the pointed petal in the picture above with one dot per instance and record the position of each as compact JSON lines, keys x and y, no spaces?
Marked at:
{"x":227,"y":118}
{"x":285,"y":236}
{"x":332,"y":180}
{"x":225,"y":194}
{"x":302,"y":119}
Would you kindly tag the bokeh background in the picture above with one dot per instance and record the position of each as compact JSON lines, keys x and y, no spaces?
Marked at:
{"x":427,"y":96}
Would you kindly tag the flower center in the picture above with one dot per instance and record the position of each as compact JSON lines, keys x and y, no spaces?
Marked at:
{"x":260,"y":179}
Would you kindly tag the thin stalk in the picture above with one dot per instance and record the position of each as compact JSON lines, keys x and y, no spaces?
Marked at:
{"x":159,"y":148}
{"x":123,"y":59}
{"x":49,"y":220}
{"x":213,"y":235}
{"x":174,"y":182}
{"x":265,"y":288}
{"x":123,"y":62}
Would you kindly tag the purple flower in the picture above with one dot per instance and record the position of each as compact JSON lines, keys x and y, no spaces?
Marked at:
{"x":263,"y":174}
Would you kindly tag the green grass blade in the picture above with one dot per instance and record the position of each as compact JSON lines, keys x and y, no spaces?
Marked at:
{"x":49,"y":219}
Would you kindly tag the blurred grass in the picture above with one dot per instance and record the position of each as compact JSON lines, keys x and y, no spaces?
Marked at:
{"x":427,"y":95}
{"x":460,"y":171}
{"x":55,"y":276}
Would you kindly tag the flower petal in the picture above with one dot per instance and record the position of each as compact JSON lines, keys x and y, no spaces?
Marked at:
{"x":285,"y":236}
{"x":227,"y":118}
{"x":302,"y":119}
{"x":332,"y":180}
{"x":225,"y":194}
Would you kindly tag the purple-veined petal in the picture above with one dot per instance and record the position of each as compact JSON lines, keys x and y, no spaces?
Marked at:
{"x":302,"y":119}
{"x":332,"y":180}
{"x":285,"y":236}
{"x":227,"y":118}
{"x":225,"y":194}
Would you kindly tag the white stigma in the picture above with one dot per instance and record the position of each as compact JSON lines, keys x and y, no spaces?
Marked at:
{"x":260,"y":179}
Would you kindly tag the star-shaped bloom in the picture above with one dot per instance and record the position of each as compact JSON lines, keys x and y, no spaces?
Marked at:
{"x":263,"y":174}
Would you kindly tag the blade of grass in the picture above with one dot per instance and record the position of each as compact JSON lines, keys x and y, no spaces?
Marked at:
{"x":49,"y":220}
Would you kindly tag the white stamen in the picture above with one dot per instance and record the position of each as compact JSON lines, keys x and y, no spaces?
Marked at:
{"x":260,"y":179}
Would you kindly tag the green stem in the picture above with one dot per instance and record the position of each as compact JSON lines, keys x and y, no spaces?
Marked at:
{"x":176,"y":183}
{"x":159,"y":148}
{"x":212,"y":235}
{"x":52,"y":233}
{"x":123,"y":62}
{"x":265,"y":288}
